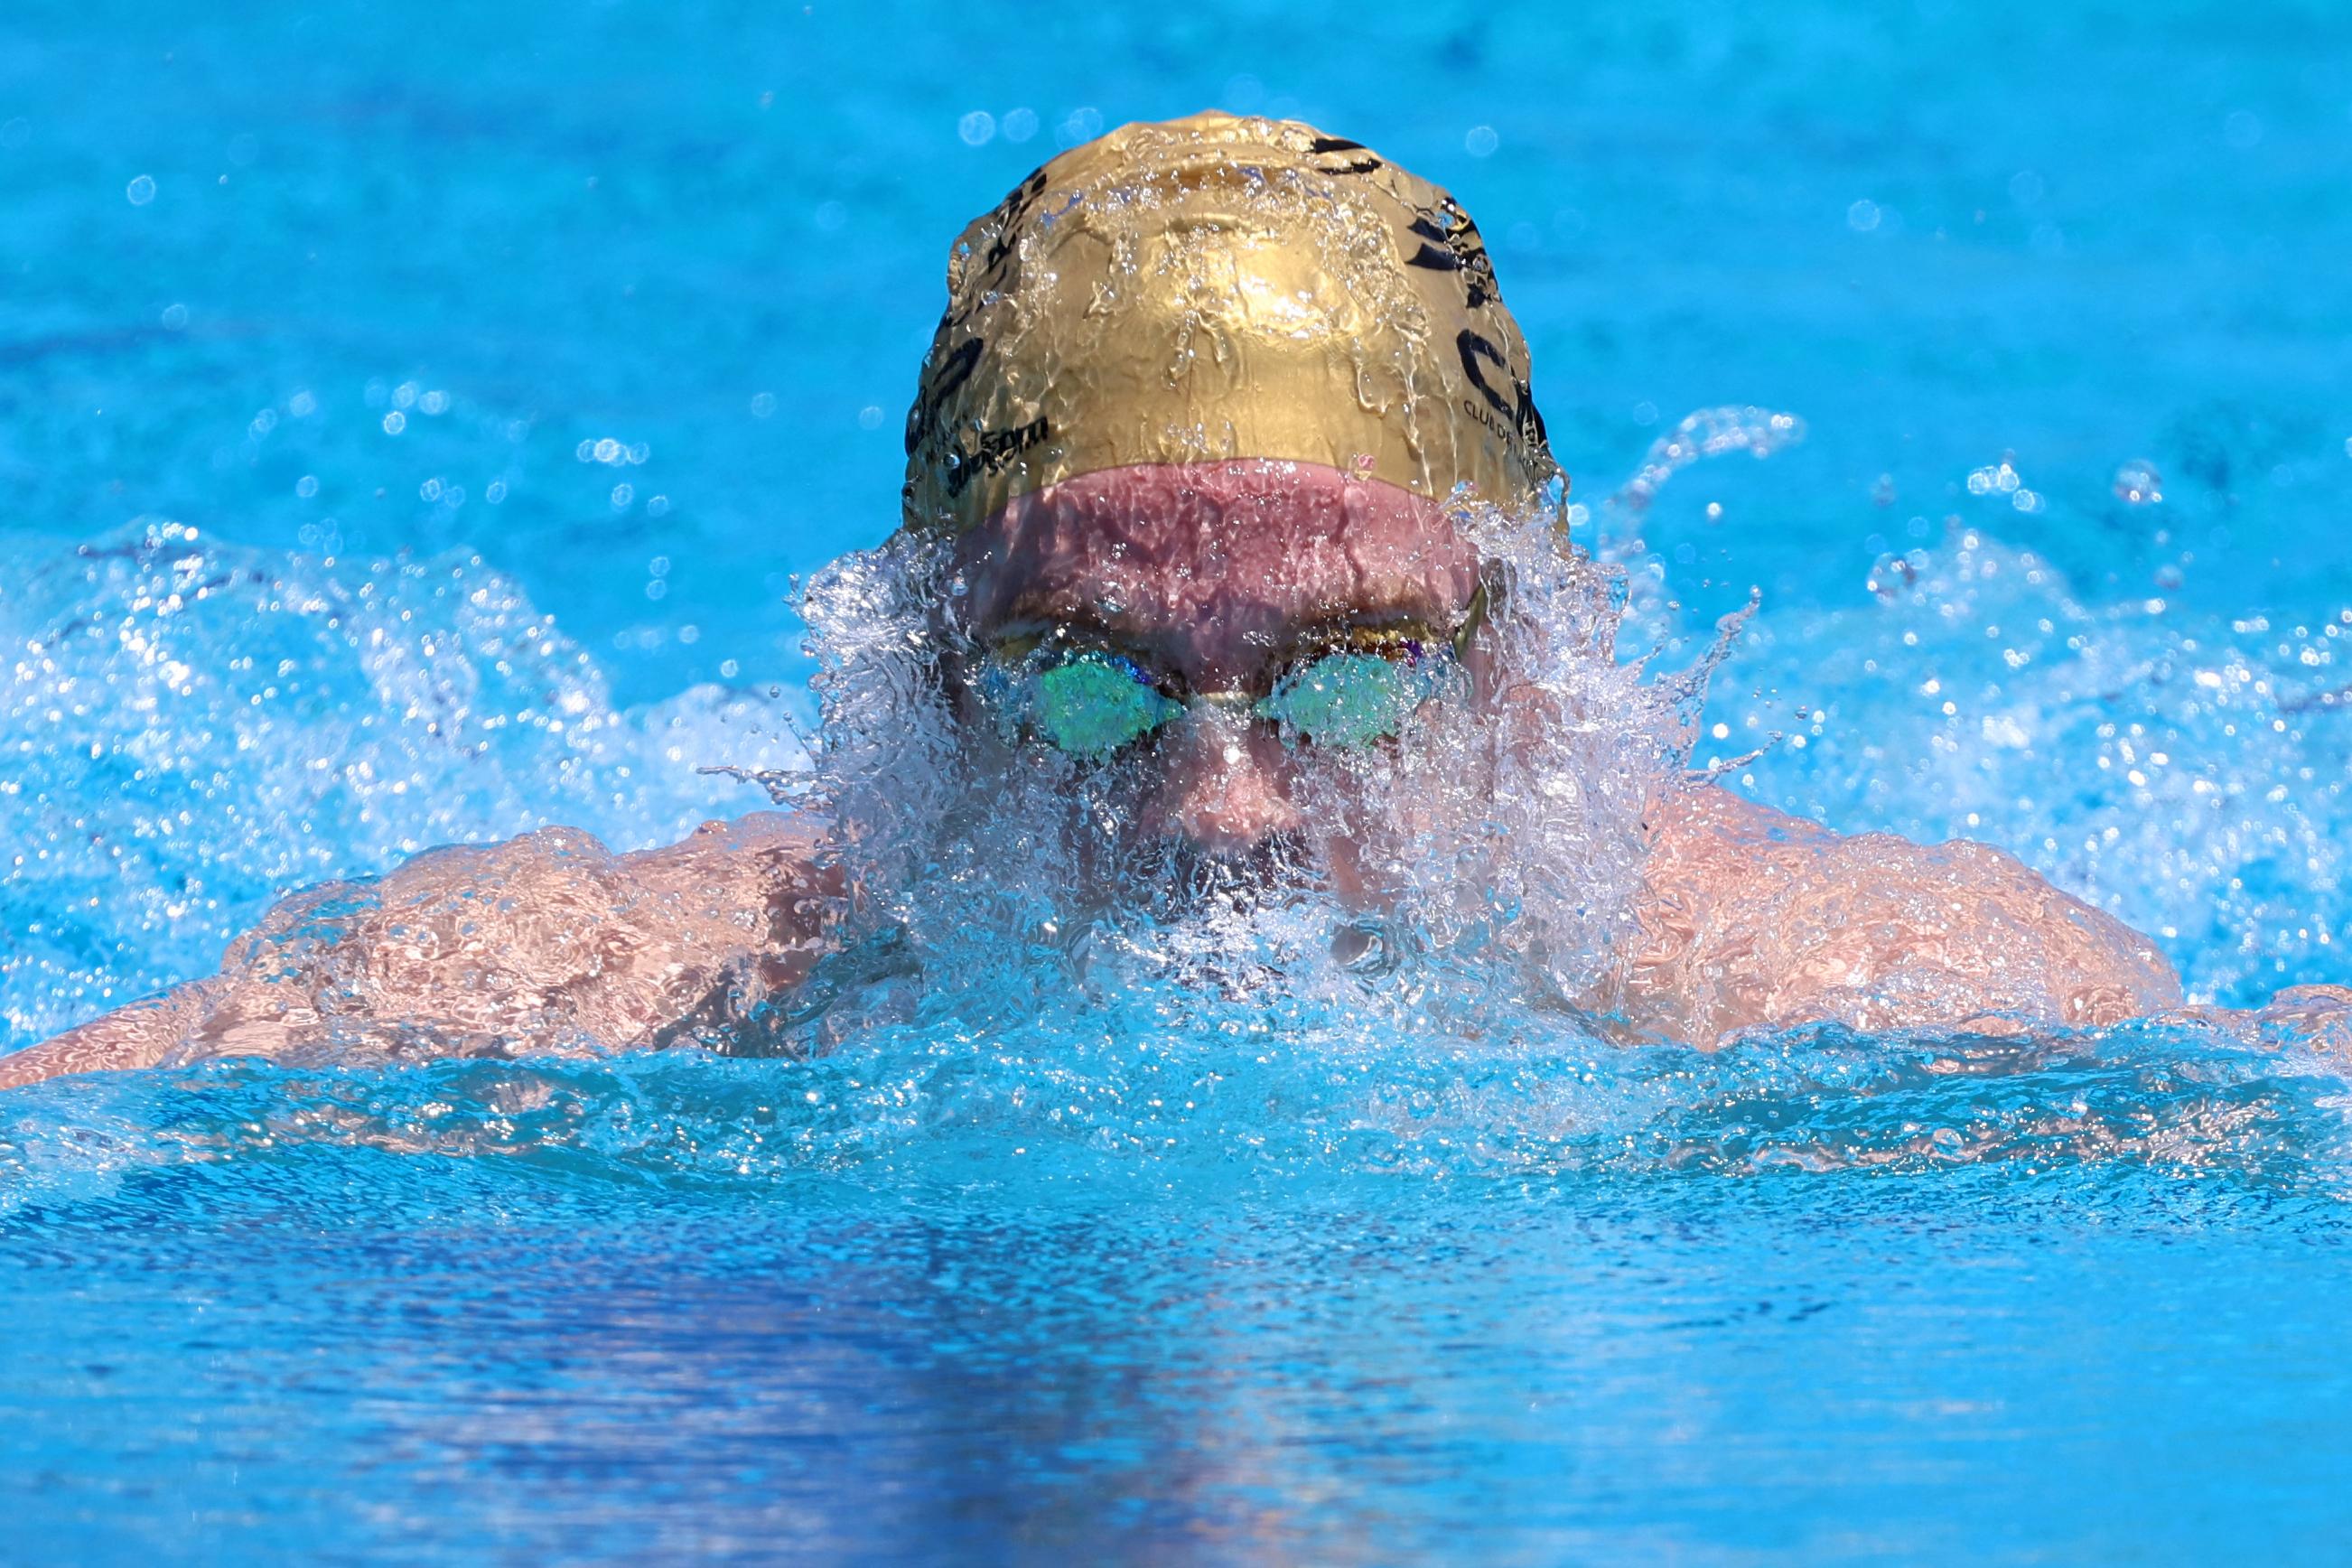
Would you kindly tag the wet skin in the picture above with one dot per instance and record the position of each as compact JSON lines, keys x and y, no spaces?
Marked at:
{"x":1217,"y":577}
{"x":1213,"y":577}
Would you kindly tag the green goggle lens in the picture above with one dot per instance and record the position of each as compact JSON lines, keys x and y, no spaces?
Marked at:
{"x":1092,"y":706}
{"x":1095,"y":704}
{"x":1349,"y":699}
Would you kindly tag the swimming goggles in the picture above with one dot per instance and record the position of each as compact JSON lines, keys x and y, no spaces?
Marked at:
{"x":1092,"y":703}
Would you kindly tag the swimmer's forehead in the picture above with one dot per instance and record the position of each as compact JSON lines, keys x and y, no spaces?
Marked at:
{"x":1216,"y":570}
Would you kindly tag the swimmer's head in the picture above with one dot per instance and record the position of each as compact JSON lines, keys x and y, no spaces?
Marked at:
{"x":1213,"y":289}
{"x":1217,"y":492}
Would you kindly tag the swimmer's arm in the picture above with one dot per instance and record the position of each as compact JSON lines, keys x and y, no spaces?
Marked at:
{"x":545,"y":944}
{"x":134,"y":1036}
{"x":2316,"y":1018}
{"x":1752,"y":918}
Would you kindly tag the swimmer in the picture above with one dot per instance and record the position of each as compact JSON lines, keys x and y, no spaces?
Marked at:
{"x":1224,"y":467}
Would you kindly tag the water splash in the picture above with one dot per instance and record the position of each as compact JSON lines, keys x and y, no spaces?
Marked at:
{"x":1508,"y":828}
{"x":198,"y":727}
{"x":2187,"y":771}
{"x":1706,"y":433}
{"x":1163,"y":1089}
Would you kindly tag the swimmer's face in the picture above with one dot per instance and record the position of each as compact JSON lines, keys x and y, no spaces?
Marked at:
{"x":1213,"y":583}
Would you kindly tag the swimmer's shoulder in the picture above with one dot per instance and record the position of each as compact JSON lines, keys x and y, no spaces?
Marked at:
{"x":774,"y":836}
{"x":773,"y":861}
{"x":1705,"y":819}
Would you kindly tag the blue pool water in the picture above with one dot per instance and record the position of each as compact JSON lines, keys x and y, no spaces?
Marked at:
{"x":411,"y":420}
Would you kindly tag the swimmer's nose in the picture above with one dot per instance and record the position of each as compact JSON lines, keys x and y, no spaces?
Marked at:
{"x":1224,"y":786}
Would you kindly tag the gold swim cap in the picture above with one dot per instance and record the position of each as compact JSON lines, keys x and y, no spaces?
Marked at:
{"x":1220,"y":288}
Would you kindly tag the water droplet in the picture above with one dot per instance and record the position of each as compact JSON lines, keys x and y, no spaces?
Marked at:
{"x":141,"y":190}
{"x":2138,"y":482}
{"x":1994,"y":478}
{"x":977,"y":129}
{"x":394,"y":423}
{"x":1481,"y":141}
{"x":1862,"y":216}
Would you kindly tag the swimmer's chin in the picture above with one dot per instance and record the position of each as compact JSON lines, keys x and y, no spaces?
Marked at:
{"x":1175,"y":877}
